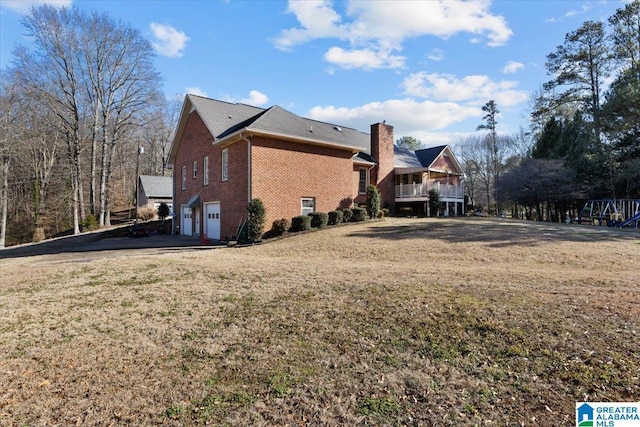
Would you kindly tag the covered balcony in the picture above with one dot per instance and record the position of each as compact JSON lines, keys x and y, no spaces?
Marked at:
{"x":420,"y":191}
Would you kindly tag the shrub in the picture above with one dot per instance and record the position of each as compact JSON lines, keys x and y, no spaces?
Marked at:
{"x":146,"y":213}
{"x":89,"y":223}
{"x":335,"y":217}
{"x":163,"y":211}
{"x":301,"y":223}
{"x":434,"y":202}
{"x":373,"y":201}
{"x":279,"y":227}
{"x":256,"y":217}
{"x":405,"y":211}
{"x":319,"y":219}
{"x":359,"y":214}
{"x":385,"y":212}
{"x":347,"y":213}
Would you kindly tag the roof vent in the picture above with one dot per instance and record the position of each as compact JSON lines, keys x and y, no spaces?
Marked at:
{"x":310,"y":128}
{"x":229,"y":115}
{"x":338,"y":128}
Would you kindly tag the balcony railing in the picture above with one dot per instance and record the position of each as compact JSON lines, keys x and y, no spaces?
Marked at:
{"x":409,"y":191}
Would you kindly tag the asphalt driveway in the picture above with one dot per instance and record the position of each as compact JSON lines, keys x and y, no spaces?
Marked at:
{"x":88,"y":246}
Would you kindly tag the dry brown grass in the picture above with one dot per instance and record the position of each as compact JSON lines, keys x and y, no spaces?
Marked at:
{"x":425,"y":322}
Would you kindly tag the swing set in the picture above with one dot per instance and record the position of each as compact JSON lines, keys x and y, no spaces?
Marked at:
{"x":611,"y":212}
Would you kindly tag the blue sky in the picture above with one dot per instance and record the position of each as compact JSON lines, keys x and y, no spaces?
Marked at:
{"x":425,"y":67}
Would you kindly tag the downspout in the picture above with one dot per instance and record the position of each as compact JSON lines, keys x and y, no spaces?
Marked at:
{"x":248,"y":166}
{"x":173,"y":202}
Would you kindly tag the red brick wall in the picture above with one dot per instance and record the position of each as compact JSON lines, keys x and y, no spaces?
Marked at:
{"x":284,"y":172}
{"x":232,"y":194}
{"x":281,"y":174}
{"x":382,"y":150}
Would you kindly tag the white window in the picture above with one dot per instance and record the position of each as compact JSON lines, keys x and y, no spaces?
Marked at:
{"x":205,"y":171}
{"x":363,"y":181}
{"x":184,"y":177}
{"x":195,"y":169}
{"x":225,"y":164}
{"x":308,"y":205}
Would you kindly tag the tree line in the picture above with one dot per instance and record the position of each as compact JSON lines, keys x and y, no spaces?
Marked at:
{"x":76,"y":105}
{"x":584,"y":138}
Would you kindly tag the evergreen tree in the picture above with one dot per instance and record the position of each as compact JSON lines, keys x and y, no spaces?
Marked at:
{"x":373,"y":201}
{"x":256,"y":217}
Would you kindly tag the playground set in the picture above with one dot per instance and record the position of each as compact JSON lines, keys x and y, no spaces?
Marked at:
{"x":611,"y":212}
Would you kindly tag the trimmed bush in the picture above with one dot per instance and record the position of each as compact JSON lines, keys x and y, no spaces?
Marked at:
{"x":279,"y":227}
{"x":319,"y":219}
{"x":359,"y":214}
{"x":301,"y":223}
{"x":335,"y":217}
{"x":373,"y":201}
{"x":385,"y":212}
{"x":347,"y":213}
{"x":405,"y":211}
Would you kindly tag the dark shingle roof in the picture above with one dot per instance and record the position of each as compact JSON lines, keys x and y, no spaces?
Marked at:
{"x":405,"y":158}
{"x":427,"y":156}
{"x":157,"y":186}
{"x":224,"y":119}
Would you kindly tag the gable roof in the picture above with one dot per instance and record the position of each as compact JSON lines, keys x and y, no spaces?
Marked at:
{"x":157,"y":186}
{"x":228,"y":122}
{"x":407,"y":161}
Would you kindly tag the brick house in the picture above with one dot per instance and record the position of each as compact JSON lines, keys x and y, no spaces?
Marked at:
{"x":225,"y":154}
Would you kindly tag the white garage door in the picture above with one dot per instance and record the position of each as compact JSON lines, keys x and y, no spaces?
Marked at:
{"x":186,"y":224}
{"x":212,"y":215}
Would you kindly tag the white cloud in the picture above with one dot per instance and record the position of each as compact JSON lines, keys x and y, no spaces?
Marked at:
{"x":586,"y":7}
{"x":195,"y":91}
{"x":168,"y":41}
{"x":472,"y":90}
{"x":436,"y":55}
{"x":23,"y":6}
{"x":363,"y":58}
{"x":378,"y":28}
{"x":512,"y":67}
{"x":317,"y":19}
{"x":255,"y":98}
{"x":404,"y":114}
{"x":434,"y":102}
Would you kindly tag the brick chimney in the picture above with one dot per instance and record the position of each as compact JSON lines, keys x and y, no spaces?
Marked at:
{"x":382,"y":151}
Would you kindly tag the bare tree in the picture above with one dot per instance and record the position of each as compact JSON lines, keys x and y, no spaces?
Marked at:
{"x":8,"y":114}
{"x":96,"y":75}
{"x":52,"y":72}
{"x":122,"y":82}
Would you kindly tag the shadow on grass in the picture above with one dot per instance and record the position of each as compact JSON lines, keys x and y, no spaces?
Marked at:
{"x":496,"y":232}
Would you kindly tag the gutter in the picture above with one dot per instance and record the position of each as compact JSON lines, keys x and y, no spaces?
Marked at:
{"x":230,"y":139}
